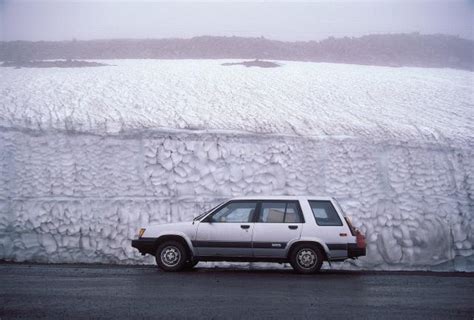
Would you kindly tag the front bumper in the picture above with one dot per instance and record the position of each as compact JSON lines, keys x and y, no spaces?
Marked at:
{"x":145,"y":245}
{"x":353,"y":251}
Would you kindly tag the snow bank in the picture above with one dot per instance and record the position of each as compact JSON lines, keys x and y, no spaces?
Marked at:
{"x":82,"y":168}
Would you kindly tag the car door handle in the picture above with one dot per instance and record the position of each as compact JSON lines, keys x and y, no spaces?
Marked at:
{"x":244,"y":226}
{"x":293,"y":227}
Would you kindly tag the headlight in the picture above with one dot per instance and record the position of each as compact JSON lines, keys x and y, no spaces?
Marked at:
{"x":141,"y":232}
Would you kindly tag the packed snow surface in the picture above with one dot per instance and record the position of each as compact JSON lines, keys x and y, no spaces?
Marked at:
{"x":87,"y":156}
{"x":298,"y":98}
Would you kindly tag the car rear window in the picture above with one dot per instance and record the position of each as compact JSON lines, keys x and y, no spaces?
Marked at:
{"x":280,"y":212}
{"x":324,"y":213}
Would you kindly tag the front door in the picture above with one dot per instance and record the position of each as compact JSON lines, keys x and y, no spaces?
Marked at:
{"x":228,"y":231}
{"x":278,"y":223}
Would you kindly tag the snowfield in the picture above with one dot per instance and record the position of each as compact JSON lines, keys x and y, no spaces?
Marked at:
{"x":87,"y":156}
{"x":297,"y":99}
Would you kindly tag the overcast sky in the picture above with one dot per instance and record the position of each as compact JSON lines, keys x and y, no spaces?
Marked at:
{"x":290,"y":20}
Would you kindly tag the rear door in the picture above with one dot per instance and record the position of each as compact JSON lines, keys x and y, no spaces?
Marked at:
{"x":227,"y":232}
{"x":331,"y":227}
{"x":278,"y":223}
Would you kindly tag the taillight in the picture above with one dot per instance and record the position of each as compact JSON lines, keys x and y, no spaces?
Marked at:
{"x":360,"y":239}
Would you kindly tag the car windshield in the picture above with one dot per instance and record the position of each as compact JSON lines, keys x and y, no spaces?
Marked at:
{"x":199,"y":217}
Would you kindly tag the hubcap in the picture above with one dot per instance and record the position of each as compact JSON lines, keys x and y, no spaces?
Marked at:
{"x":306,"y":258}
{"x":170,"y":256}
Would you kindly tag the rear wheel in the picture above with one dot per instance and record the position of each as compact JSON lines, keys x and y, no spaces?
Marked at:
{"x":171,"y":256}
{"x":306,"y":258}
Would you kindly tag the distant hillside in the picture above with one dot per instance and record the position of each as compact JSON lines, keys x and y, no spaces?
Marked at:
{"x":437,"y":51}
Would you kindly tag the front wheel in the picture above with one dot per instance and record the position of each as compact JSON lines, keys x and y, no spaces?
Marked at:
{"x":171,"y":256}
{"x":306,"y":259}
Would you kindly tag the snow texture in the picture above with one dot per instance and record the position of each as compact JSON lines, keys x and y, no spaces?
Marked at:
{"x":87,"y":156}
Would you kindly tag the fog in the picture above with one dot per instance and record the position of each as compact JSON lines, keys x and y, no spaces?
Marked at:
{"x":316,"y":20}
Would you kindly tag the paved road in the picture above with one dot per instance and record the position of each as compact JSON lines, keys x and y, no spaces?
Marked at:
{"x":85,"y":292}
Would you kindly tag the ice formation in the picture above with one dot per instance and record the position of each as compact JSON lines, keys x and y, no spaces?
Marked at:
{"x":87,"y":156}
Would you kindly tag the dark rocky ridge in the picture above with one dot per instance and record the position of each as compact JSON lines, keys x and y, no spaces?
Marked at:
{"x":416,"y":50}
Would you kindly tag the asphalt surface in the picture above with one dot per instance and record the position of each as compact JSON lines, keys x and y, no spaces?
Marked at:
{"x":94,"y":291}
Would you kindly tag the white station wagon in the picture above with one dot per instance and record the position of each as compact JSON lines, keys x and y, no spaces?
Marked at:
{"x":304,"y":231}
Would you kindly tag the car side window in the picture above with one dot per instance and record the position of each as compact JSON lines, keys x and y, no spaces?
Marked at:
{"x":279,"y":212}
{"x":235,"y":212}
{"x":325,"y":214}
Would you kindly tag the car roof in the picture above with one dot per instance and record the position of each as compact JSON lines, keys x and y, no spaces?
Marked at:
{"x":325,"y":198}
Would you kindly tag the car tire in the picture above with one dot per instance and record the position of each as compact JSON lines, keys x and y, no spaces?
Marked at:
{"x":171,"y":256}
{"x":306,"y":258}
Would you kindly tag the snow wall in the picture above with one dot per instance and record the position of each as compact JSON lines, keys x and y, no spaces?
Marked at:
{"x":80,"y":197}
{"x":89,"y":155}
